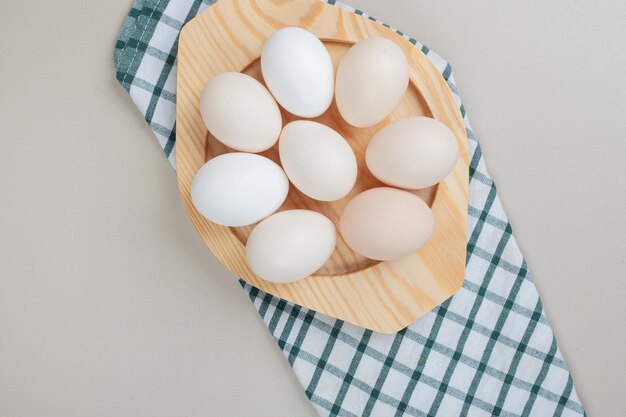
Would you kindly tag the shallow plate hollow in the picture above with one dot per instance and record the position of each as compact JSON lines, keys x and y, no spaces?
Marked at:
{"x":381,"y":296}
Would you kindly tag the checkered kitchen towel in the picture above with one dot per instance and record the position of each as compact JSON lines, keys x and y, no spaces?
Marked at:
{"x":488,"y":350}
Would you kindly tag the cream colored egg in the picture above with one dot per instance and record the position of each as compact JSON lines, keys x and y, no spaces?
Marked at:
{"x":317,"y":160}
{"x":386,"y":223}
{"x":298,"y":71}
{"x":412,"y":153}
{"x":290,"y":245}
{"x":238,"y":189}
{"x":240,"y":112}
{"x":372,"y":79}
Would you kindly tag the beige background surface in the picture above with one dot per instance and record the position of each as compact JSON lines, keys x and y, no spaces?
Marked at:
{"x":111,"y":306}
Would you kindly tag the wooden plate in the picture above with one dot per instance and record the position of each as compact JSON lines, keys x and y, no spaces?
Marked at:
{"x":381,"y":296}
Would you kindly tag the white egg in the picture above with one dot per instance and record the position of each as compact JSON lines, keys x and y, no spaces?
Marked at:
{"x":240,"y":112}
{"x":298,"y":70}
{"x":238,"y":189}
{"x":371,"y":80}
{"x":290,"y":245}
{"x":317,"y":160}
{"x":412,"y":153}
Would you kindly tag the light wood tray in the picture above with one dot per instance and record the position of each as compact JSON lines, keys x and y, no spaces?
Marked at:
{"x":381,"y":296}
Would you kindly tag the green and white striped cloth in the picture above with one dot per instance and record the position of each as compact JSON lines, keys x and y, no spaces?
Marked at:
{"x":488,"y":350}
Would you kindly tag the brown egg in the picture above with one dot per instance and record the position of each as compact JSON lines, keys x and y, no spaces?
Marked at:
{"x":386,"y":223}
{"x":372,"y":78}
{"x":412,"y":153}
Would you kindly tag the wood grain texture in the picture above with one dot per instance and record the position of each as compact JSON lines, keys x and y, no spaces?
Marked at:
{"x":381,"y":296}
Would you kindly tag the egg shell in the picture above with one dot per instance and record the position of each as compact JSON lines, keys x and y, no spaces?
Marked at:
{"x":412,"y":153}
{"x":240,"y":112}
{"x":238,"y":189}
{"x":317,"y":160}
{"x":290,"y":245}
{"x":386,"y":223}
{"x":299,"y":72}
{"x":372,"y":79}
